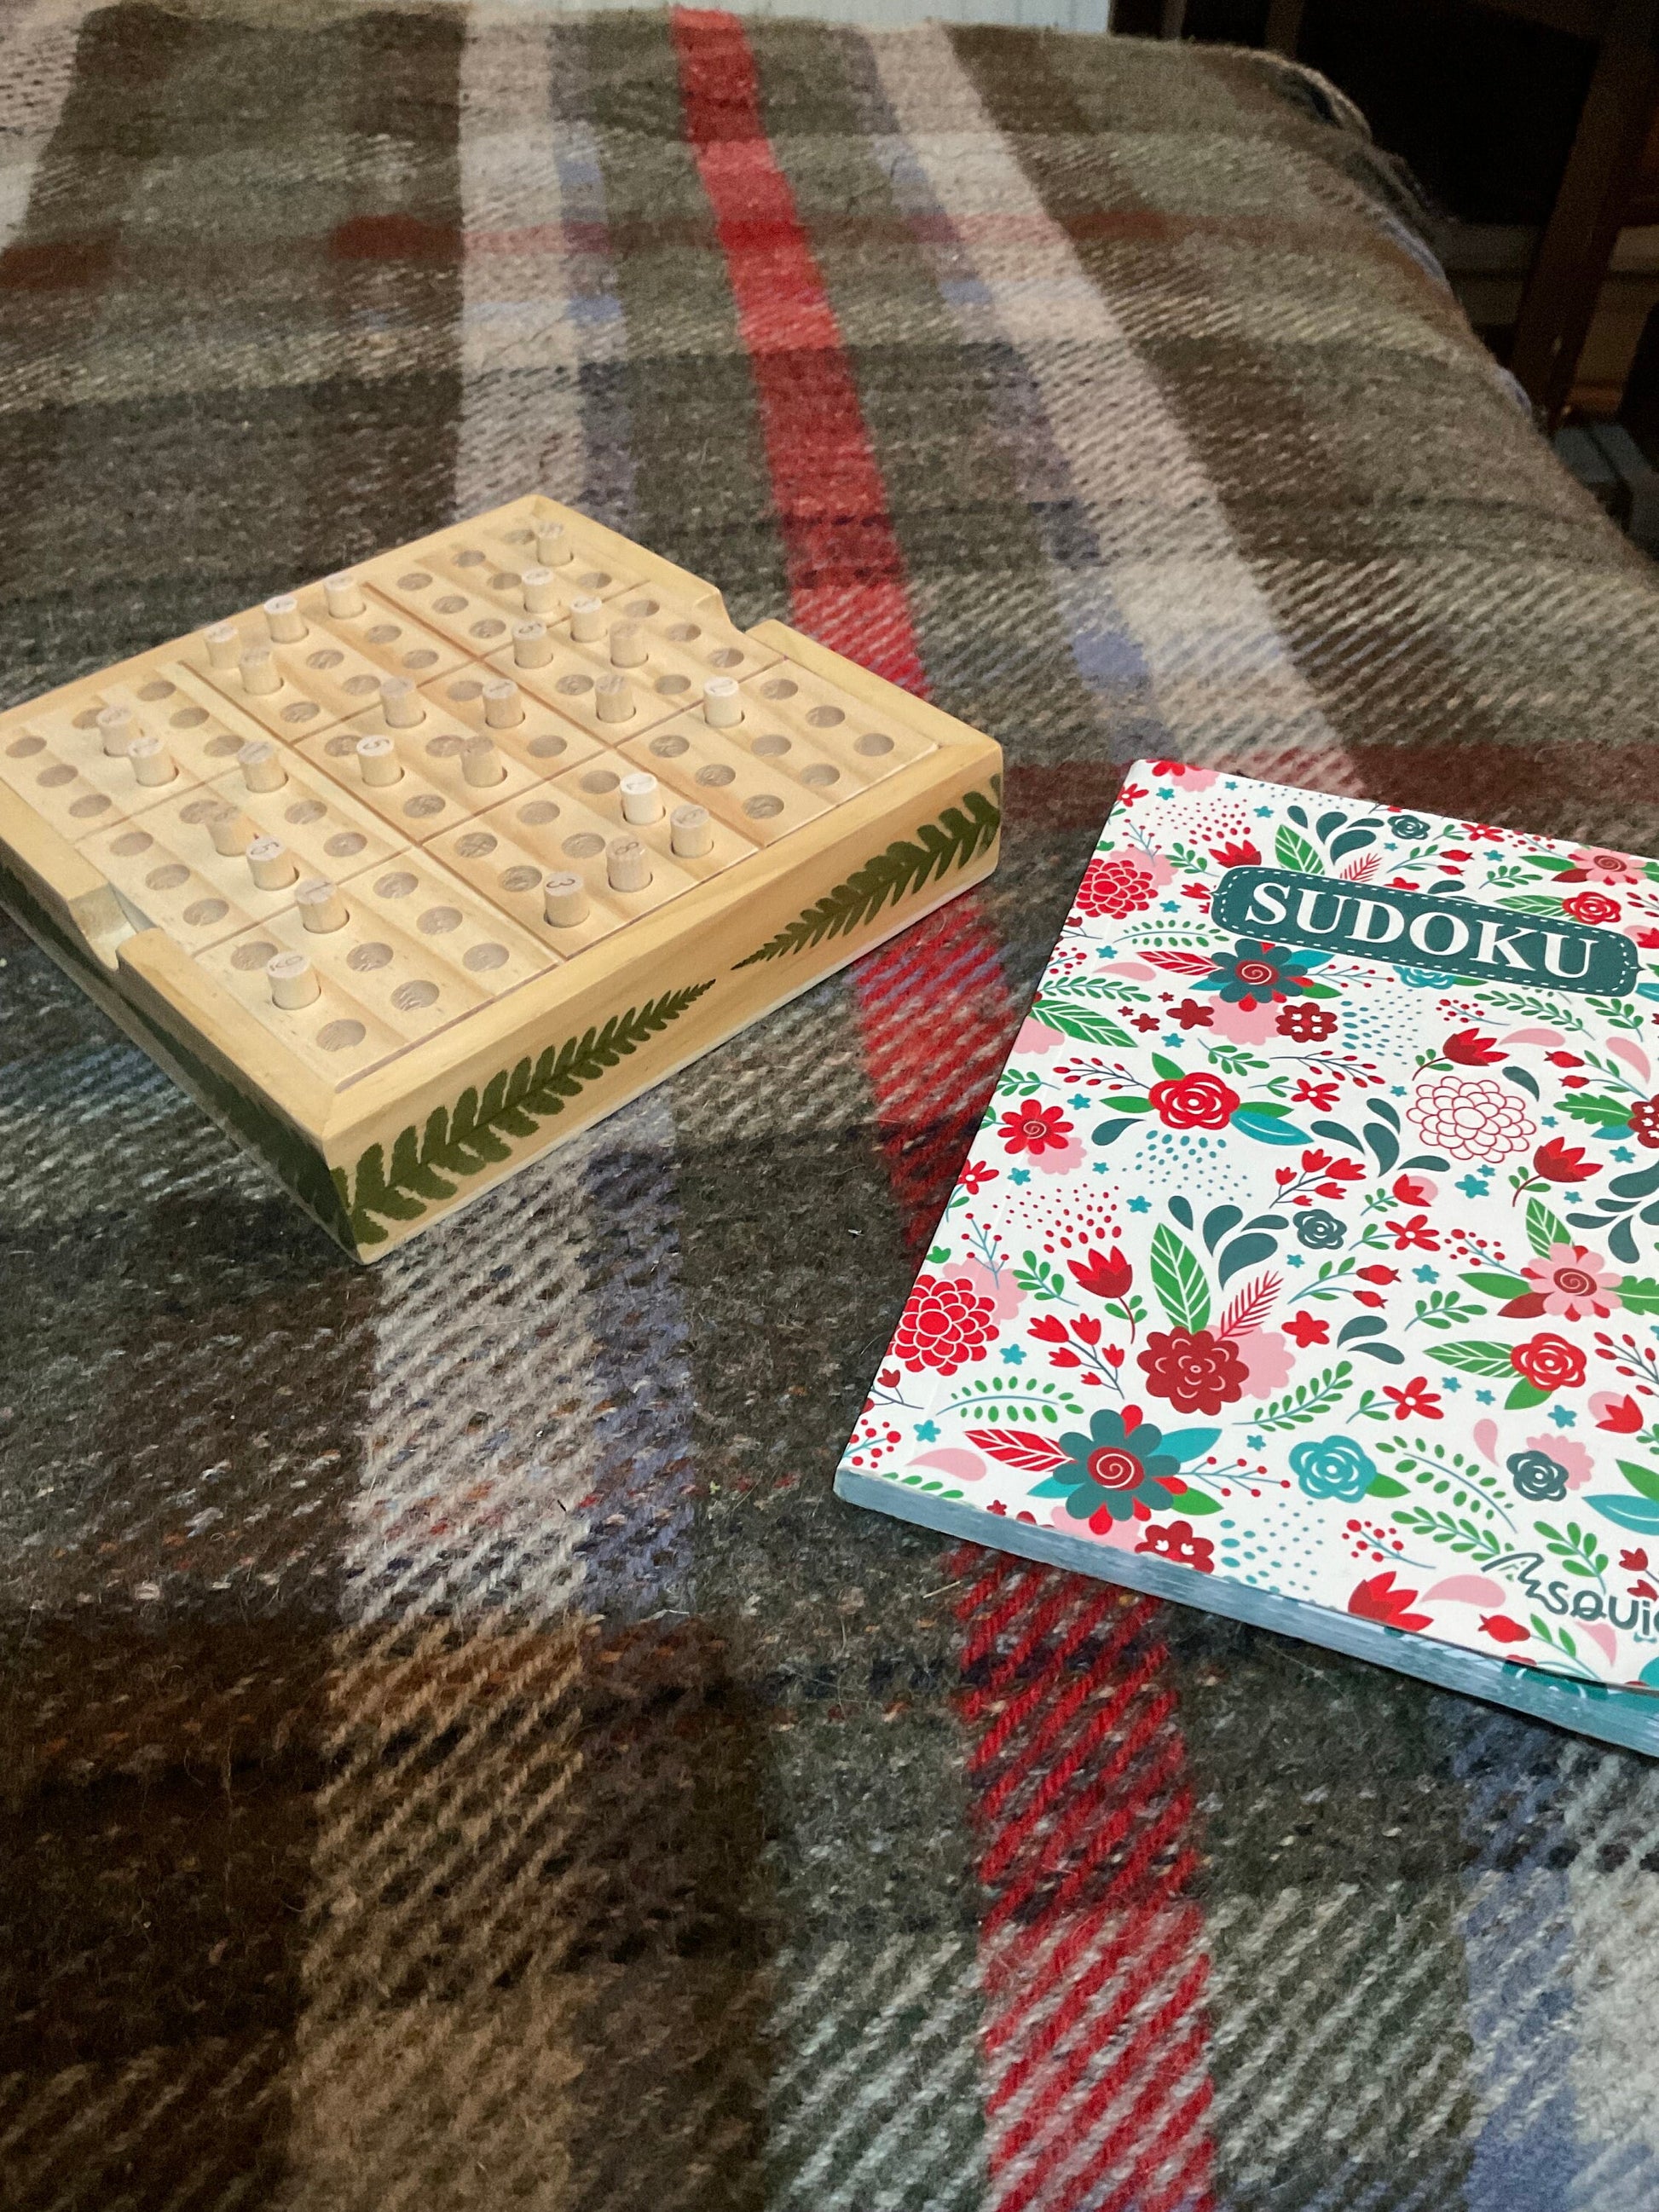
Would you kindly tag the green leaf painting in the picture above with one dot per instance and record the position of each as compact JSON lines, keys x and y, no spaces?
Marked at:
{"x":959,"y":836}
{"x":428,"y":1164}
{"x":1179,"y":1280}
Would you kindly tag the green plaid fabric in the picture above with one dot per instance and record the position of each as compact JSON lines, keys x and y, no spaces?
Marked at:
{"x":458,"y":1751}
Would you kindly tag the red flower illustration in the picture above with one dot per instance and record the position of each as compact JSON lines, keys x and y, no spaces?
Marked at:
{"x":944,"y":1325}
{"x":1381,"y":1275}
{"x":1034,"y":1129}
{"x":1622,"y":1415}
{"x":1191,"y":1016}
{"x":1305,"y":1328}
{"x":976,"y":1176}
{"x":1320,"y":1095}
{"x":1118,"y":885}
{"x":1591,"y":906}
{"x":1413,"y":1190}
{"x":1197,"y":1372}
{"x":1240,"y":853}
{"x":1378,"y":1600}
{"x":1548,"y":1362}
{"x":1644,"y":1121}
{"x":1176,"y":1541}
{"x":1415,"y":1235}
{"x":1470,"y":1049}
{"x":1104,"y":1277}
{"x":1305,"y":1025}
{"x":1633,"y":1563}
{"x":1503,"y":1630}
{"x":1192,"y":1102}
{"x":1416,"y":1401}
{"x":1561,"y":1162}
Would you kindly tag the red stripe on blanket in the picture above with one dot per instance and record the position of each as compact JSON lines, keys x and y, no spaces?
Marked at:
{"x":933,"y":1007}
{"x":1092,"y":1950}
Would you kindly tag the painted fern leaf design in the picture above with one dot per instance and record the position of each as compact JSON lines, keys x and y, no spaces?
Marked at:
{"x":959,"y":836}
{"x":463,"y":1140}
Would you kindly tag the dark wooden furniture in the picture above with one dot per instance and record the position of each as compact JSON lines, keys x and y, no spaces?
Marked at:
{"x":1597,"y":191}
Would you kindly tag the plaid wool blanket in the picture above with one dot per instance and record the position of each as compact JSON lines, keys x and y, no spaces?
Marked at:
{"x":458,"y":1752}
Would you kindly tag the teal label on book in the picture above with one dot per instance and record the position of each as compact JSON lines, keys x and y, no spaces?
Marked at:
{"x":1414,"y":929}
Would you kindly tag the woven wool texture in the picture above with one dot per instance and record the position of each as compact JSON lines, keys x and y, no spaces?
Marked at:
{"x":458,"y":1752}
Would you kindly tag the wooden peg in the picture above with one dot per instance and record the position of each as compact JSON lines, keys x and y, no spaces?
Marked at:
{"x":503,"y":709}
{"x":231,"y":831}
{"x":613,"y":699}
{"x":343,"y":595}
{"x":531,"y":645}
{"x":260,"y":673}
{"x":627,"y":865}
{"x":564,"y":901}
{"x":262,"y":766}
{"x":628,"y":645}
{"x":639,"y":799}
{"x":293,"y":981}
{"x":553,"y":547}
{"x":283,"y":619}
{"x":322,"y":909}
{"x":377,"y":758}
{"x":721,"y":707}
{"x":224,"y":642}
{"x":271,"y":863}
{"x":400,"y":702}
{"x":481,"y":763}
{"x":152,"y":763}
{"x":587,"y":620}
{"x":541,"y":595}
{"x":117,"y":728}
{"x":691,"y":833}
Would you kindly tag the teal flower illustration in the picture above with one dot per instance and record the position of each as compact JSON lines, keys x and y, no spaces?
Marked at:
{"x":1122,"y":1461}
{"x":1254,"y":973}
{"x":1538,"y":1478}
{"x":1332,"y":1467}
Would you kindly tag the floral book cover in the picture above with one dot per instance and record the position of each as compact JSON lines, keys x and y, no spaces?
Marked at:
{"x":1306,"y":1265}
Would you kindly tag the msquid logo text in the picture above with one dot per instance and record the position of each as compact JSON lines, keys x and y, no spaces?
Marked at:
{"x":1414,"y":929}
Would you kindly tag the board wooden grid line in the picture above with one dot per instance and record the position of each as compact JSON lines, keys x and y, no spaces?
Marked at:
{"x":423,"y":867}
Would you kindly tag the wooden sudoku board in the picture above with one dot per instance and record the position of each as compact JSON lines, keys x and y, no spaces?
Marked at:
{"x":414,"y":871}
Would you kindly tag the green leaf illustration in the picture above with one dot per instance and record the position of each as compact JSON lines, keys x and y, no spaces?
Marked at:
{"x":428,"y":1164}
{"x":1292,"y":850}
{"x":1640,"y":1477}
{"x":1308,"y":1401}
{"x":1610,"y":1112}
{"x":1476,"y":1357}
{"x":1086,"y":1023}
{"x":1499,"y":1287}
{"x":1544,"y":1228}
{"x":960,"y":836}
{"x":1639,"y":1294}
{"x":1179,"y":1280}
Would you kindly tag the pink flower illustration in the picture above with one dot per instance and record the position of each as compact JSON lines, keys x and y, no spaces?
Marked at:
{"x":1575,"y":1457}
{"x":1571,"y":1280}
{"x":1602,"y":868}
{"x":1267,"y":1359}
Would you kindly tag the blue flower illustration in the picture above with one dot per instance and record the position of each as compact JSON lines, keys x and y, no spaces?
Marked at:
{"x":1254,"y":973}
{"x":1122,"y":1461}
{"x":1538,"y":1478}
{"x":1332,"y":1467}
{"x":1319,"y":1230}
